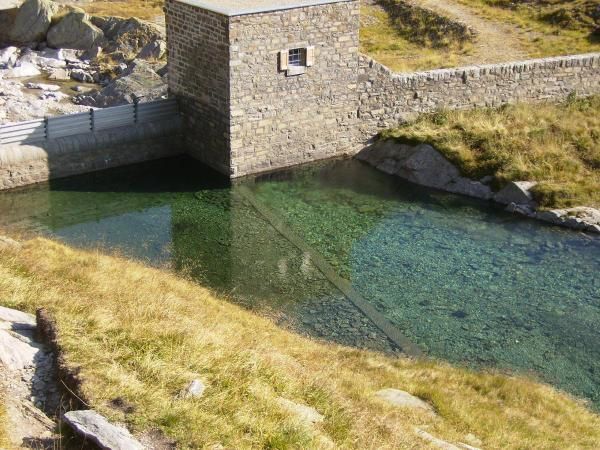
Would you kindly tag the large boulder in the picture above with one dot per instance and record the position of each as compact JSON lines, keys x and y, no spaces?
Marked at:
{"x":128,"y":36}
{"x":33,"y":20}
{"x":422,"y":165}
{"x":7,"y":20}
{"x":518,"y":192}
{"x":139,"y":80}
{"x":100,"y":431}
{"x":74,"y":31}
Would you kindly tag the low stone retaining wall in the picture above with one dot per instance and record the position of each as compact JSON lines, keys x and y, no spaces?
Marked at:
{"x":388,"y":98}
{"x":23,"y":164}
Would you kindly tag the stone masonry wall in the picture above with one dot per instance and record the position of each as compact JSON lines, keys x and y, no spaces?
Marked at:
{"x":23,"y":164}
{"x":198,"y":48}
{"x":279,"y":120}
{"x":387,"y":99}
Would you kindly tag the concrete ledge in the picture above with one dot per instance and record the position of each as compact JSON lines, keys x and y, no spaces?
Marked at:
{"x":21,"y":165}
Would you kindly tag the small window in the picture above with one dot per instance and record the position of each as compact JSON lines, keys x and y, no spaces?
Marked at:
{"x":297,"y":57}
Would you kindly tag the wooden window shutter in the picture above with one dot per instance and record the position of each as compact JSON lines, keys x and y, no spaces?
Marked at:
{"x":310,"y":56}
{"x":283,"y":59}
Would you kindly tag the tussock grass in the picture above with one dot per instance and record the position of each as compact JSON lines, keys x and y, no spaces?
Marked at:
{"x":384,"y":41}
{"x":548,"y":27}
{"x":557,"y":145}
{"x":140,"y":334}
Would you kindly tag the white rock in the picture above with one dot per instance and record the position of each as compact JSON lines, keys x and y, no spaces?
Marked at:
{"x":15,"y":353}
{"x":53,"y":60}
{"x":99,"y":430}
{"x":195,"y":389}
{"x":54,"y":96}
{"x":304,"y":413}
{"x":24,"y":69}
{"x":17,"y":318}
{"x":43,"y":86}
{"x":403,"y":399}
{"x":517,"y":192}
{"x":8,"y":57}
{"x":436,"y":442}
{"x":58,"y":74}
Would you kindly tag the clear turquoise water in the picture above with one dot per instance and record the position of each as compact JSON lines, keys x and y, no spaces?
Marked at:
{"x":463,"y":280}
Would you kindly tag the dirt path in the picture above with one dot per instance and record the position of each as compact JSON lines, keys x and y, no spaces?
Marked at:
{"x":497,"y":42}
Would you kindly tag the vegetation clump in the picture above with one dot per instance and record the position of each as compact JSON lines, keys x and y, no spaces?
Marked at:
{"x":557,"y":145}
{"x":137,"y":336}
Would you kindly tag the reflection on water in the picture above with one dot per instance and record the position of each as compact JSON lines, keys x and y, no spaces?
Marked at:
{"x":463,"y":280}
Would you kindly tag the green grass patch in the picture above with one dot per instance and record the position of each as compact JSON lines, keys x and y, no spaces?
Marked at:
{"x":557,"y":145}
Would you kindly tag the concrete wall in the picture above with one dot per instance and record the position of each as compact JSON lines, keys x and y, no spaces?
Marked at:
{"x":21,"y":164}
{"x":279,"y":120}
{"x":198,"y":48}
{"x":387,"y":98}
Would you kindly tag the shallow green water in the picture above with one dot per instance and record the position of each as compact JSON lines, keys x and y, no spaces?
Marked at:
{"x":463,"y":280}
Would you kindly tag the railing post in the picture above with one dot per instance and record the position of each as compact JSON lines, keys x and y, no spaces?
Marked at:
{"x":135,"y":109}
{"x":92,"y":124}
{"x":46,"y":130}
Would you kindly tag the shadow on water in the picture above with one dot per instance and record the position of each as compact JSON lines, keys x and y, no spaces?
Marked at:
{"x":464,"y":280}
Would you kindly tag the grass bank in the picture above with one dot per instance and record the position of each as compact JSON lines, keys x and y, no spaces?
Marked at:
{"x":547,"y":27}
{"x":395,"y":43}
{"x":138,"y":335}
{"x":557,"y":145}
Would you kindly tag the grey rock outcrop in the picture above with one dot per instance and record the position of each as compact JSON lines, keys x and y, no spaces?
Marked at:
{"x":33,"y":21}
{"x":139,"y":80}
{"x":22,"y":70}
{"x":74,"y":31}
{"x":422,"y":165}
{"x":403,"y":399}
{"x":127,"y":36}
{"x":517,"y":192}
{"x":305,"y":414}
{"x":99,"y":430}
{"x":153,"y":50}
{"x":579,"y":218}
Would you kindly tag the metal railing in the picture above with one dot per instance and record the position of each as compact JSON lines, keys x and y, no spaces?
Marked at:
{"x":93,"y":120}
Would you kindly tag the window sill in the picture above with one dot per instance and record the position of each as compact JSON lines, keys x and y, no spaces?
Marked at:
{"x":295,"y":71}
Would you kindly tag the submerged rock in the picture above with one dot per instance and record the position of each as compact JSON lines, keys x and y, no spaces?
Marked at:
{"x":33,"y":21}
{"x":422,"y":165}
{"x":74,"y":31}
{"x":99,"y":430}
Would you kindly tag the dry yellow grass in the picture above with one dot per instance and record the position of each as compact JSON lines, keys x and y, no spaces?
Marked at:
{"x":147,"y":10}
{"x":141,"y":334}
{"x":557,"y":145}
{"x":4,"y":441}
{"x":380,"y":39}
{"x":546,"y":27}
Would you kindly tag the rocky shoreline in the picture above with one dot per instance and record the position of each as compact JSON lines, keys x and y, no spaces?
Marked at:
{"x":426,"y":166}
{"x":56,"y":59}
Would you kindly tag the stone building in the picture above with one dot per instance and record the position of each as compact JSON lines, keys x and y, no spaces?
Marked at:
{"x":264,"y":84}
